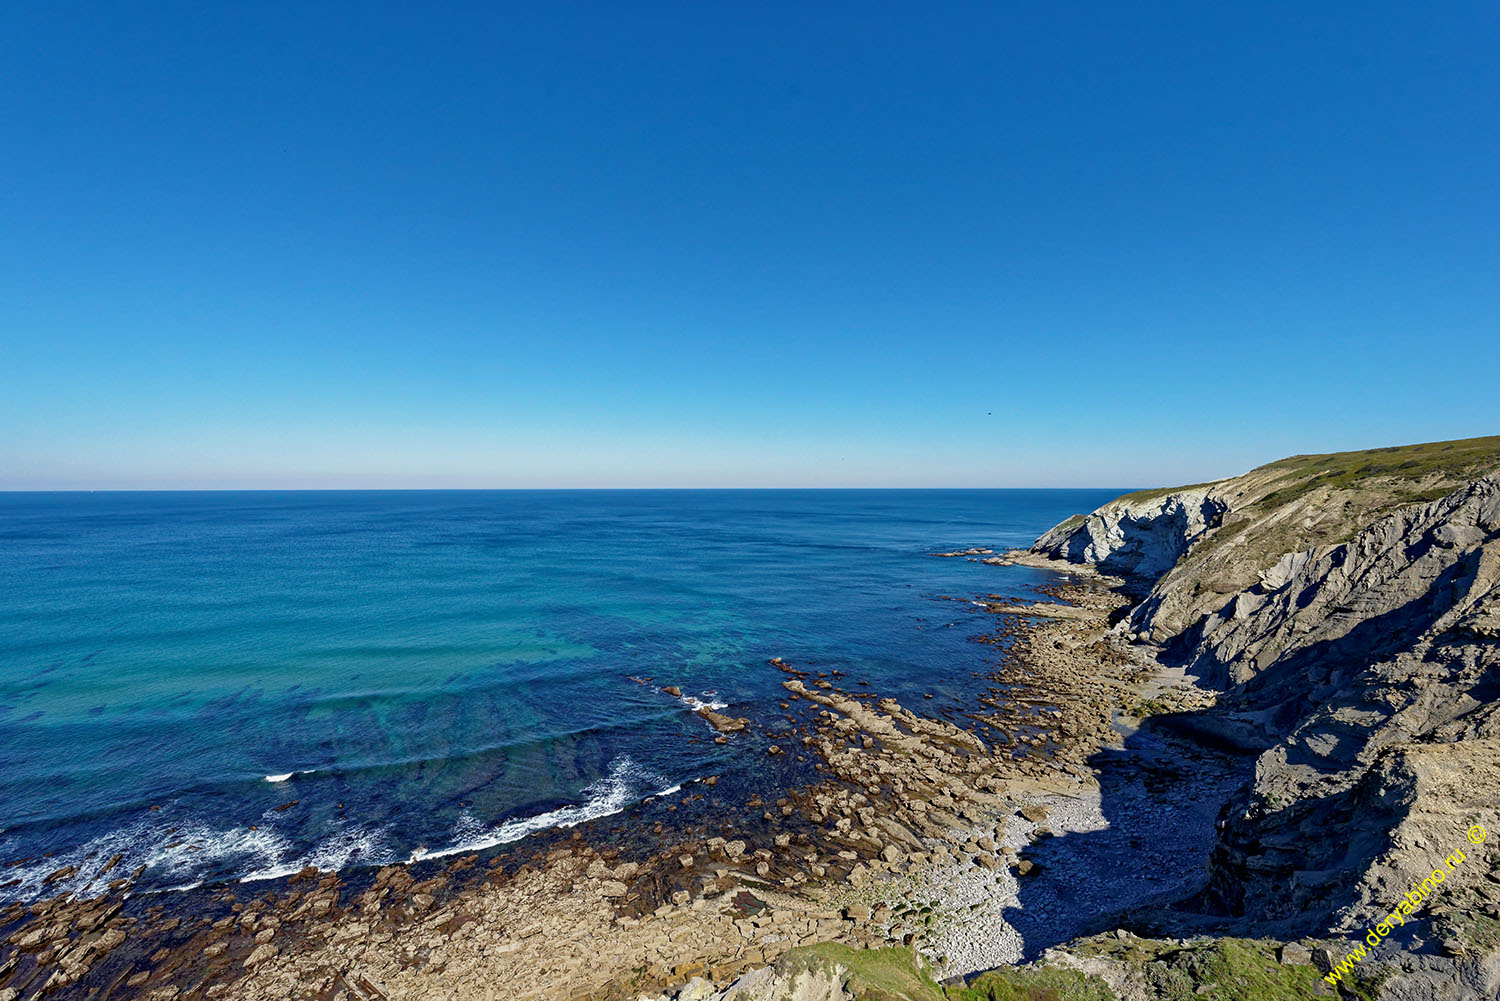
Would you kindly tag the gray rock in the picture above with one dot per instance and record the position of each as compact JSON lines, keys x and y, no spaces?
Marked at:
{"x":696,"y":989}
{"x":1136,"y":538}
{"x":1364,"y":673}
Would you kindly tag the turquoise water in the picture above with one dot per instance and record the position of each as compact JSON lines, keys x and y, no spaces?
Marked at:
{"x":437,"y":671}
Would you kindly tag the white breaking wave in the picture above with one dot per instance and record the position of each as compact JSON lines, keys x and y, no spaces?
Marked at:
{"x":288,"y":776}
{"x":183,"y":853}
{"x":611,"y":794}
{"x":696,"y":704}
{"x":692,"y":702}
{"x":348,"y":846}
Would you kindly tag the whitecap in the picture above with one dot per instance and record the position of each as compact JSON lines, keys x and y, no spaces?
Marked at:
{"x":607,"y":796}
{"x":696,"y":704}
{"x":693,"y":702}
{"x":344,"y":847}
{"x":184,"y":855}
{"x":193,"y":852}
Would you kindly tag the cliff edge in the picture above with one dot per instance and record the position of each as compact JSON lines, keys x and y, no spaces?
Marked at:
{"x":1190,"y":549}
{"x":1347,"y":609}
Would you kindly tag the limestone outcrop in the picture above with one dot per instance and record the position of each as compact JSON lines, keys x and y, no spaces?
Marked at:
{"x":1138,"y":536}
{"x":1362,"y":668}
{"x":1195,"y":548}
{"x":1371,"y":674}
{"x":1344,"y":613}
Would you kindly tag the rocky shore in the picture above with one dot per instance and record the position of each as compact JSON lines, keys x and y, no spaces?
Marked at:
{"x":1338,"y":614}
{"x":1201,"y":766}
{"x":918,"y":831}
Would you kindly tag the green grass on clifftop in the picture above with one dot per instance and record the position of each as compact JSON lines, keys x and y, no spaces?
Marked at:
{"x":894,"y":974}
{"x":1444,"y":460}
{"x":1302,"y":502}
{"x":1153,"y":493}
{"x":1448,"y":461}
{"x":1227,"y":969}
{"x":1036,"y":984}
{"x":1239,"y":970}
{"x":1308,"y":500}
{"x":889,"y":974}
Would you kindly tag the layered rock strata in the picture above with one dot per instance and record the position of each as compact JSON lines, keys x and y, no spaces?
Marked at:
{"x":1364,"y":671}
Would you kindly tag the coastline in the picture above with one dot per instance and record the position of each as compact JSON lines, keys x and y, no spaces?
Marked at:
{"x":919,"y":831}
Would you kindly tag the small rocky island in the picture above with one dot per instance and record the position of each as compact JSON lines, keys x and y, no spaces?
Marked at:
{"x":1233,"y":728}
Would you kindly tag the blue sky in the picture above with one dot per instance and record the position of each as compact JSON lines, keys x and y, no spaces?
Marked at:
{"x":299,"y":245}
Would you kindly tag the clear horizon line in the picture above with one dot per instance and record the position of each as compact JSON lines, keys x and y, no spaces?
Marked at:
{"x":389,"y":490}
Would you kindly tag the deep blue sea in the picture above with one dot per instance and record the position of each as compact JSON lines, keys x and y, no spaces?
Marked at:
{"x":435,"y":672}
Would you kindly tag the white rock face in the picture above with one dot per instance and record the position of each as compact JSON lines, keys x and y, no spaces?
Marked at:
{"x":1370,"y":670}
{"x":1408,"y":565}
{"x":1285,"y":569}
{"x":1364,"y":673}
{"x":1137,"y":539}
{"x":772,"y":984}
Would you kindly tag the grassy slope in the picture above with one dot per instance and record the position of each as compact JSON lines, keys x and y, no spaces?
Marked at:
{"x":1226,"y":969}
{"x":889,"y":974}
{"x":1153,"y":493}
{"x":1315,"y":500}
{"x":1034,"y":984}
{"x":1211,"y":970}
{"x":1302,"y":502}
{"x":1450,"y":461}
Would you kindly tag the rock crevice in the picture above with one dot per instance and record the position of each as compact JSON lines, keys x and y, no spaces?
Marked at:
{"x":1364,"y":669}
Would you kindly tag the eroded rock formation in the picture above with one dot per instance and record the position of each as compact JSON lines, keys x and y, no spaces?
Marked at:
{"x":1363,"y":668}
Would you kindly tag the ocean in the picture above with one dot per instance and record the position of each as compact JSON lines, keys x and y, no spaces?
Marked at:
{"x":234,"y":685}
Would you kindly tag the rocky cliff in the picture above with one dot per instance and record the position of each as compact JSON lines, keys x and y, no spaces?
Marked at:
{"x":1193,"y":548}
{"x":1344,"y":611}
{"x":1347,"y":608}
{"x":1138,"y":536}
{"x":1373,"y":673}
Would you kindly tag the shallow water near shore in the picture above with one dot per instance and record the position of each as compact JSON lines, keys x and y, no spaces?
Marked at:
{"x":236,"y":685}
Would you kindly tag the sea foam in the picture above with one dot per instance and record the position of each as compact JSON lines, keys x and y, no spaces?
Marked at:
{"x":173,"y":851}
{"x":346,"y":846}
{"x":696,"y":704}
{"x":625,"y":784}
